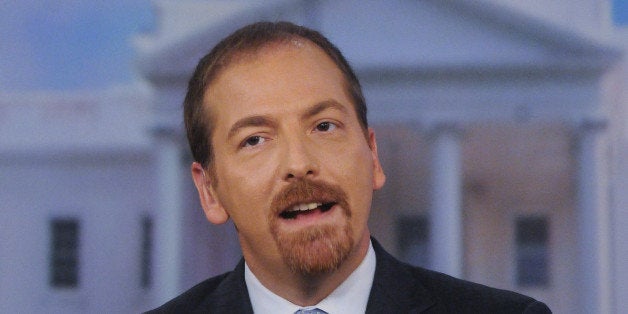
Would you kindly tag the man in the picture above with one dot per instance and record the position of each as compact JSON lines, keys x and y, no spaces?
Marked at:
{"x":277,"y":125}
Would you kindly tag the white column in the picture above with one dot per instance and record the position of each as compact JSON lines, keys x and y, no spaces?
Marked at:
{"x":168,"y":217}
{"x":593,"y":220}
{"x":446,"y":247}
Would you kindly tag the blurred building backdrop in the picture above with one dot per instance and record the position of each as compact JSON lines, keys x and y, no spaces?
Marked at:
{"x":501,"y":126}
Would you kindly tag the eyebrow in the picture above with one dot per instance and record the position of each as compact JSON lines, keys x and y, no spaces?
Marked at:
{"x":322,"y":106}
{"x":251,"y":121}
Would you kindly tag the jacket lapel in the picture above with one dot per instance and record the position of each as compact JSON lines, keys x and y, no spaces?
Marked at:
{"x":231,"y":296}
{"x":395,"y":290}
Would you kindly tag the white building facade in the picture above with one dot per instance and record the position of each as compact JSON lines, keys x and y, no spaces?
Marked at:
{"x":76,"y":201}
{"x":501,"y":127}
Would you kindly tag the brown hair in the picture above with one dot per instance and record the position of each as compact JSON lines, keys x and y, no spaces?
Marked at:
{"x":250,"y":39}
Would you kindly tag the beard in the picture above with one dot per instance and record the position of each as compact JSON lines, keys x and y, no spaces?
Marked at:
{"x":317,"y":249}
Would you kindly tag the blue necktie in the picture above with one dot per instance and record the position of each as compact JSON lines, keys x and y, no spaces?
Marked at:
{"x":310,"y":311}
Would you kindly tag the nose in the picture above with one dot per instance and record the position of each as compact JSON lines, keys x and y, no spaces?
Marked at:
{"x":298,"y":159}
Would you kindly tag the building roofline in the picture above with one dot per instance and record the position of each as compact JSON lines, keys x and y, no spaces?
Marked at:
{"x":177,"y":57}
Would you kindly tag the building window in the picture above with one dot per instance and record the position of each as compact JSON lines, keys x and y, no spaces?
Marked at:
{"x":532,"y":235}
{"x":64,"y":254}
{"x":146,"y":252}
{"x":413,"y":236}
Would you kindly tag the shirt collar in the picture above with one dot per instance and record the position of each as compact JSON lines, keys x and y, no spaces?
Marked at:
{"x":350,"y":297}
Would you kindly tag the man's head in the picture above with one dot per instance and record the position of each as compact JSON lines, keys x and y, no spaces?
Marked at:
{"x":294,"y":164}
{"x":247,"y":41}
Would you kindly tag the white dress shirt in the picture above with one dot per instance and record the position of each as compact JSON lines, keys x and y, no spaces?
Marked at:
{"x":350,"y":297}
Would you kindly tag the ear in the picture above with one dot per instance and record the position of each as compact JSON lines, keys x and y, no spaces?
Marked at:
{"x":214,"y":211}
{"x":379,"y":178}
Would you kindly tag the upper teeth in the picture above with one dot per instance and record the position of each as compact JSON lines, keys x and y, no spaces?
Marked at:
{"x":308,"y":206}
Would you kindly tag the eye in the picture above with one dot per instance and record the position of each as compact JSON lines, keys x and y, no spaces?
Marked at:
{"x":325,"y":126}
{"x":253,"y":141}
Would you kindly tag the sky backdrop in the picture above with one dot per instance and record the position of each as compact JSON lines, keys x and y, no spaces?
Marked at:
{"x":69,"y":44}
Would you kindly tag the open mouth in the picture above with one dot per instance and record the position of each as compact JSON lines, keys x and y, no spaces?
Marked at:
{"x":305,"y":209}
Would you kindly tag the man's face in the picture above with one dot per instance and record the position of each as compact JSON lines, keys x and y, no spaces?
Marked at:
{"x":292,"y":166}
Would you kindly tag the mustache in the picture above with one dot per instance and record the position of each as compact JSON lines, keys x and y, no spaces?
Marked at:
{"x":308,"y":191}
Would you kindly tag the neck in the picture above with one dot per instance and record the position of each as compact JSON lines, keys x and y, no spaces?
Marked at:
{"x":309,"y":289}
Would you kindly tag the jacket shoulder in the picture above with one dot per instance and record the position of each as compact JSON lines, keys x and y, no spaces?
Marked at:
{"x":411,"y":289}
{"x":191,"y":299}
{"x":461,"y":296}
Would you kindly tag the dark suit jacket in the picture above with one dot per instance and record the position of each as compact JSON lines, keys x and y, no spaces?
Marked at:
{"x":397,"y":288}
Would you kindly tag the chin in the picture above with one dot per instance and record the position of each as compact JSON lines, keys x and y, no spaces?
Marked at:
{"x":315,"y":250}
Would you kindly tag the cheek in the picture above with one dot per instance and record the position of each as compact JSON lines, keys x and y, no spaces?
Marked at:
{"x":355,"y":166}
{"x":354,"y":170}
{"x":246,"y":192}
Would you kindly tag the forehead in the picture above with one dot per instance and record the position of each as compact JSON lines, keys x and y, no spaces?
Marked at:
{"x":274,"y":71}
{"x":299,"y":52}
